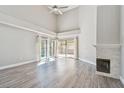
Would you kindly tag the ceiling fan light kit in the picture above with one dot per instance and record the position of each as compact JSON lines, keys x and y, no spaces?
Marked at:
{"x":56,"y":9}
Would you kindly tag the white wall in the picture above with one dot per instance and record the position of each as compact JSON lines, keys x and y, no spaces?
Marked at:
{"x":122,"y":41}
{"x":108,"y":25}
{"x":35,"y":14}
{"x":16,"y":45}
{"x":19,"y":45}
{"x":87,"y":38}
{"x":68,"y":21}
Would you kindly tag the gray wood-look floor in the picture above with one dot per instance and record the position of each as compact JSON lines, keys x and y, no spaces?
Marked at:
{"x":64,"y":73}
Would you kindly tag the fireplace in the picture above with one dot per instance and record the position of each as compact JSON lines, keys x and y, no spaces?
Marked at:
{"x":103,"y":65}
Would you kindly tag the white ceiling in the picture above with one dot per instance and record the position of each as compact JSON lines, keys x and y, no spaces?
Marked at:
{"x":67,"y":9}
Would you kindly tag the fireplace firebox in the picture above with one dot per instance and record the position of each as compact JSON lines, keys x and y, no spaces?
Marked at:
{"x":103,"y":65}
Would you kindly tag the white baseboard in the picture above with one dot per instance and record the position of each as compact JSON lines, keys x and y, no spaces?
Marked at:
{"x":87,"y":61}
{"x":17,"y":64}
{"x":122,"y":80}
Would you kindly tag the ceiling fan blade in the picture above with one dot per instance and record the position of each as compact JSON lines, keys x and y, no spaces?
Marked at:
{"x":60,"y":12}
{"x":51,"y":11}
{"x":63,"y":7}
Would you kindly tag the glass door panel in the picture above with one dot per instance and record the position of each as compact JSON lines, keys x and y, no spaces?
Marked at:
{"x":43,"y":50}
{"x":66,"y":48}
{"x":61,"y":48}
{"x":70,"y":48}
{"x":52,"y":50}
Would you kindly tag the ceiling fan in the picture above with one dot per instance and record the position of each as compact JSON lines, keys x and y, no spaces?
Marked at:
{"x":57,"y":9}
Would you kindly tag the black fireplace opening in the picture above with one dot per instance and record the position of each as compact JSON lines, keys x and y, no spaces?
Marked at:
{"x":103,"y":65}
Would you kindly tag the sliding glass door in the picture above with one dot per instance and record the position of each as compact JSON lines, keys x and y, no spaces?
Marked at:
{"x":66,"y":48}
{"x":70,"y":48}
{"x":43,"y":50}
{"x":62,"y":48}
{"x":52,"y":49}
{"x":47,"y":50}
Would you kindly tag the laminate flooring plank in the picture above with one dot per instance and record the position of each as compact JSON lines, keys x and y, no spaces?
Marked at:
{"x":62,"y":73}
